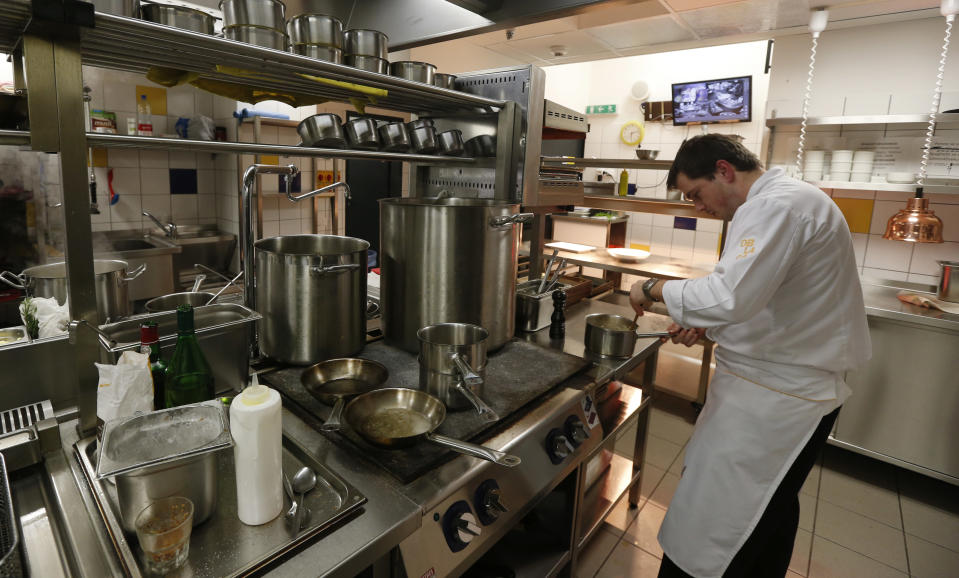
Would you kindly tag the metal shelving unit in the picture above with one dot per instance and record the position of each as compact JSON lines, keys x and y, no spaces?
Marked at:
{"x":582,"y":163}
{"x":901,"y":121}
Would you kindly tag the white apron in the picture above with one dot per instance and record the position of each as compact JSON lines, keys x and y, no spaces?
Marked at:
{"x":746,"y":439}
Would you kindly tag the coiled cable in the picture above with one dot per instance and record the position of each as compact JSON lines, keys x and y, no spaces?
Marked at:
{"x":936,"y":96}
{"x":805,"y":105}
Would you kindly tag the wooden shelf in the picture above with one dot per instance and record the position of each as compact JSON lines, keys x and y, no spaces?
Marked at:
{"x":644,"y":205}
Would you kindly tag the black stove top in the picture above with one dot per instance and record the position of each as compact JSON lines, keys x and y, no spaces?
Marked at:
{"x":517,"y":375}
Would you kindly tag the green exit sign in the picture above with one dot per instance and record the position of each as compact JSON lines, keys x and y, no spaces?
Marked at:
{"x":601,"y":109}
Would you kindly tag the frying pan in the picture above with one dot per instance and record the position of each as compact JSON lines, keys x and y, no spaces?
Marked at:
{"x":333,"y":380}
{"x":399,"y":418}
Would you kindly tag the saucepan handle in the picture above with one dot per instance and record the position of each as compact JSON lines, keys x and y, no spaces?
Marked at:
{"x":12,"y":280}
{"x":334,"y":423}
{"x":477,"y":451}
{"x":469,"y":376}
{"x":131,"y":275}
{"x":484,"y":411}
{"x":322,"y":270}
{"x":655,"y":334}
{"x":509,"y":220}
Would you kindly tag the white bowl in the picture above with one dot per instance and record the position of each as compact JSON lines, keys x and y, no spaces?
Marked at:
{"x":813,"y":165}
{"x":841,"y":165}
{"x":865,"y":156}
{"x":814,"y":155}
{"x":842,"y":156}
{"x":862,"y":167}
{"x":628,"y":255}
{"x":878,"y":179}
{"x":812,"y":175}
{"x":839,"y":177}
{"x":901,"y":177}
{"x":860,"y":177}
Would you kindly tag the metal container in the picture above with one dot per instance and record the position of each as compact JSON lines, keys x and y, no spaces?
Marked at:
{"x":266,"y":37}
{"x":322,"y":130}
{"x":948,"y":281}
{"x":315,"y":29}
{"x":423,"y":140}
{"x":451,"y":143}
{"x":118,"y":7}
{"x":263,"y":13}
{"x":173,"y":300}
{"x":448,"y":260}
{"x":222,"y":329}
{"x":319,"y":52}
{"x":533,"y":310}
{"x":444,"y":80}
{"x":367,"y":43}
{"x":165,"y":453}
{"x":453,"y":363}
{"x":368,"y":63}
{"x":178,"y":17}
{"x":311,"y":291}
{"x":111,"y":278}
{"x":480,"y":146}
{"x":11,"y":335}
{"x":610,"y":335}
{"x":10,"y":564}
{"x":413,"y":70}
{"x":414,"y":124}
{"x":394,"y":138}
{"x":361,"y":133}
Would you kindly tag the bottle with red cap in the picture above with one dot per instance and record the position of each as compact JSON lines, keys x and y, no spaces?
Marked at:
{"x":150,"y":345}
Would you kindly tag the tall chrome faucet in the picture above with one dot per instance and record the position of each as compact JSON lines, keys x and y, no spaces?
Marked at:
{"x":169,"y":229}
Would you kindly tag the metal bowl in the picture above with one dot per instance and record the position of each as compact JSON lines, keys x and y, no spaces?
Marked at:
{"x":451,"y":142}
{"x":361,"y":133}
{"x":263,"y":13}
{"x":118,"y":7}
{"x":178,"y":17}
{"x":173,"y":300}
{"x":483,"y":145}
{"x":259,"y":36}
{"x":412,"y":70}
{"x":444,"y":80}
{"x":319,"y":52}
{"x":415,"y":124}
{"x":423,"y":140}
{"x":647,"y":154}
{"x":367,"y":43}
{"x":394,"y":137}
{"x":322,"y":130}
{"x":315,"y":29}
{"x":368,"y":63}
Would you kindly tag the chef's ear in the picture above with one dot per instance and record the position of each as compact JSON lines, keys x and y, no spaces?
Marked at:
{"x":725,"y":170}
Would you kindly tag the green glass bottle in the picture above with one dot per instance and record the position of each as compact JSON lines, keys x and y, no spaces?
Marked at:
{"x":189,"y":378}
{"x":150,"y":345}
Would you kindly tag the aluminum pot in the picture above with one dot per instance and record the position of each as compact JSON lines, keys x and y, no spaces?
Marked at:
{"x":173,"y":300}
{"x":451,"y":142}
{"x":111,"y":278}
{"x":361,"y":133}
{"x":118,"y":7}
{"x":480,"y":146}
{"x":448,"y":260}
{"x":413,"y":70}
{"x":394,"y":138}
{"x":319,"y":52}
{"x":257,"y":35}
{"x":178,"y":17}
{"x":444,"y":80}
{"x":610,"y":335}
{"x":367,"y":63}
{"x":948,"y":281}
{"x":263,"y":13}
{"x":423,"y":140}
{"x":453,"y":365}
{"x":315,"y":29}
{"x":322,"y":130}
{"x":311,"y":291}
{"x":367,"y":43}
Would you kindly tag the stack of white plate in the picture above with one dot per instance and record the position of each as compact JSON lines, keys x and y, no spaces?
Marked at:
{"x":862,"y":166}
{"x":841,"y":166}
{"x":813,"y":165}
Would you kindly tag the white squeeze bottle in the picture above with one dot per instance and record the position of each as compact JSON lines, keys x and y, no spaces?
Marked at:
{"x":255,"y":422}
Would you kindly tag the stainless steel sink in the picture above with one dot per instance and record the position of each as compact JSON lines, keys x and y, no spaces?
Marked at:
{"x":203,"y":244}
{"x":132,"y":245}
{"x":136,"y":248}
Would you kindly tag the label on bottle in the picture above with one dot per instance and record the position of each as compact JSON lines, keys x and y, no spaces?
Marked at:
{"x":145,"y":129}
{"x":144,"y":349}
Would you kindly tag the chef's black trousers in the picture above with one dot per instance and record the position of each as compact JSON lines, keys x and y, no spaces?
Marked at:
{"x":767,"y":551}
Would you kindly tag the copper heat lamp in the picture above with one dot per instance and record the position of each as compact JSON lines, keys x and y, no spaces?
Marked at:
{"x":915,"y":223}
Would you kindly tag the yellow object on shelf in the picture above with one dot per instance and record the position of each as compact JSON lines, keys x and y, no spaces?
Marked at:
{"x":623,"y":183}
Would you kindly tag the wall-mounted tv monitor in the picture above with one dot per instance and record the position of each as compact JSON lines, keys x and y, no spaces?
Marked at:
{"x":711,"y":101}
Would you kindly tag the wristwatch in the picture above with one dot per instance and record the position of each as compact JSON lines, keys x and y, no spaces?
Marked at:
{"x":648,"y":286}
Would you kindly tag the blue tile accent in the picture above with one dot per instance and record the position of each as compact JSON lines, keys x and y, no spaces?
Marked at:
{"x":687,"y":223}
{"x":295,"y":185}
{"x":183,"y":182}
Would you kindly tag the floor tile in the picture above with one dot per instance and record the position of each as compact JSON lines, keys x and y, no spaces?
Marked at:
{"x":799,"y":563}
{"x":628,"y":560}
{"x":811,"y":485}
{"x":660,"y":452}
{"x":830,"y":560}
{"x":677,"y":467}
{"x":930,"y":509}
{"x":668,"y":426}
{"x":807,"y":512}
{"x":663,"y":493}
{"x":643,"y":531}
{"x":791,"y":574}
{"x":621,"y":517}
{"x":864,"y":535}
{"x":625,"y":444}
{"x":595,"y":553}
{"x":652,"y":475}
{"x":861,"y":484}
{"x":927,"y":560}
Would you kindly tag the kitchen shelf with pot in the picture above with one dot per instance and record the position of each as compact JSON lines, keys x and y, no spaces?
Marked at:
{"x":893,"y":187}
{"x":571,"y":162}
{"x":899,"y":121}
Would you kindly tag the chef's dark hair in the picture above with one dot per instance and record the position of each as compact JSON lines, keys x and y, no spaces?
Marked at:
{"x":697,"y":157}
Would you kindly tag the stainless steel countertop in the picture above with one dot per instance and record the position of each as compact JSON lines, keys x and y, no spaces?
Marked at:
{"x":881,"y":301}
{"x":621,"y":218}
{"x":652,"y":266}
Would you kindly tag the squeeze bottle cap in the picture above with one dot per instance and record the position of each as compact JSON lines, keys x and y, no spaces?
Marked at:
{"x":255,"y":395}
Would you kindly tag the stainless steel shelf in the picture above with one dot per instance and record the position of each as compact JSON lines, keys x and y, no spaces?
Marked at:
{"x":902,"y":120}
{"x":135,"y":46}
{"x":895,"y":187}
{"x":655,"y":206}
{"x":601,"y":163}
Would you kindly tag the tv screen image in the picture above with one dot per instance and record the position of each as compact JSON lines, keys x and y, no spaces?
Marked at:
{"x":710,"y":101}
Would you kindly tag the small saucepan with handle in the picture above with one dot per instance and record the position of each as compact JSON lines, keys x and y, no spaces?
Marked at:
{"x":398,"y":418}
{"x":333,"y":380}
{"x":611,"y":335}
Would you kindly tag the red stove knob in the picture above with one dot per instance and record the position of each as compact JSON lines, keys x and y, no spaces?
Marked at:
{"x":576,"y":430}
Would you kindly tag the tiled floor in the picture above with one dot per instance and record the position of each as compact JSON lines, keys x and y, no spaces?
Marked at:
{"x":859,"y":517}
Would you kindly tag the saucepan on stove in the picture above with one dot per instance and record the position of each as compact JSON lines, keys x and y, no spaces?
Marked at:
{"x":453,"y":365}
{"x":334,"y":380}
{"x":399,"y":418}
{"x":613,"y":335}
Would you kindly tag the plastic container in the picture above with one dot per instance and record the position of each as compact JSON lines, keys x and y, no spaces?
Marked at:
{"x":144,"y":117}
{"x":623,"y":183}
{"x":163,"y":529}
{"x":255,"y":422}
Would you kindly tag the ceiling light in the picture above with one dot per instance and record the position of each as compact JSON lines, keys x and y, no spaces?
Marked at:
{"x":558,"y":50}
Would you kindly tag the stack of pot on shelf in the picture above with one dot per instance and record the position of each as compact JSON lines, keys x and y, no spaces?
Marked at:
{"x":259,"y":22}
{"x":317,"y":36}
{"x":367,"y":50}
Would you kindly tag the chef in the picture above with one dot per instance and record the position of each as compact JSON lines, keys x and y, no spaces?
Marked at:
{"x":784,"y":307}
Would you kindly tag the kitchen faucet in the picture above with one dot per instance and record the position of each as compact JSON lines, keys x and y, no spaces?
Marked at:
{"x":169,"y":229}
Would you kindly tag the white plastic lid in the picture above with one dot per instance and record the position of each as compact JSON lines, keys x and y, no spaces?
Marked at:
{"x":255,"y":395}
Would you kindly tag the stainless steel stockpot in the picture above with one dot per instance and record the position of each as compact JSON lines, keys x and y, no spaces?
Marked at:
{"x":263,"y":13}
{"x":361,"y":133}
{"x":451,"y":142}
{"x":259,"y":36}
{"x":315,"y":29}
{"x":178,"y":17}
{"x":394,"y":138}
{"x":423,"y":140}
{"x":444,"y":80}
{"x":319,"y":52}
{"x":367,"y":63}
{"x":311,"y":292}
{"x":448,"y":260}
{"x":110,"y":278}
{"x":413,"y":70}
{"x":118,"y":7}
{"x":322,"y":130}
{"x":367,"y":43}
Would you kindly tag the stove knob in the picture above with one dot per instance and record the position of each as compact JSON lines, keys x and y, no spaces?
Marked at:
{"x":576,"y":430}
{"x":487,"y":502}
{"x":557,"y":446}
{"x":460,"y":526}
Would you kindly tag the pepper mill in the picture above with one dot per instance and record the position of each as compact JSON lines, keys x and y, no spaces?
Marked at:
{"x":557,"y":326}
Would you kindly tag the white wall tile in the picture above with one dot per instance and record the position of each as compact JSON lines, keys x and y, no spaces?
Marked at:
{"x":684,"y":239}
{"x":287,"y":209}
{"x":126,"y":210}
{"x":182,"y":160}
{"x":123,"y":158}
{"x":641,"y":218}
{"x":181,"y":101}
{"x":183,"y":206}
{"x":885,"y":254}
{"x":950,"y":219}
{"x":898,"y":196}
{"x":206,"y":206}
{"x":290,"y":226}
{"x":155,"y":181}
{"x":924,"y":279}
{"x":869,"y":274}
{"x":271,"y":211}
{"x":119,"y":96}
{"x":203,"y":103}
{"x":851,"y":194}
{"x":125,"y":181}
{"x":706,"y":242}
{"x":710,"y":225}
{"x":661,"y":240}
{"x":642,"y":234}
{"x":881,"y":213}
{"x":663,"y":221}
{"x":206,"y":182}
{"x":154,"y":159}
{"x":124,"y":225}
{"x":205,"y":161}
{"x":271,"y":229}
{"x":926,"y":254}
{"x":97,"y":227}
{"x":859,"y":241}
{"x":157,"y":205}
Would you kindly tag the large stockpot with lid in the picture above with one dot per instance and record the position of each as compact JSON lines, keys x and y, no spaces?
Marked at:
{"x":448,"y":260}
{"x":311,"y":292}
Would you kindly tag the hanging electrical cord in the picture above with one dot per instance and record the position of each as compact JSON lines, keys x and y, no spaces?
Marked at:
{"x":936,"y":96}
{"x":817,"y":23}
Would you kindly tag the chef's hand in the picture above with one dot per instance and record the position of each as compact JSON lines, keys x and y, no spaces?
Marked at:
{"x":637,"y":299}
{"x":687,"y":337}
